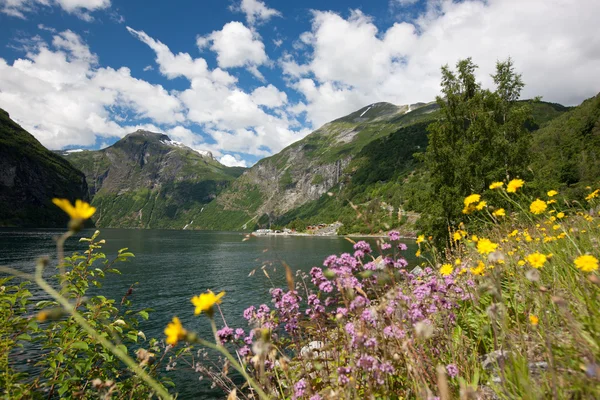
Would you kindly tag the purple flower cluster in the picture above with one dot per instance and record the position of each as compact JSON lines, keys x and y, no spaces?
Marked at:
{"x":225,"y":334}
{"x":375,"y":317}
{"x":452,"y":370}
{"x":288,"y":305}
{"x":427,"y":294}
{"x":299,"y":389}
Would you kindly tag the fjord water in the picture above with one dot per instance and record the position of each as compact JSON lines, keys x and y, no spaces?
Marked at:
{"x":172,"y":266}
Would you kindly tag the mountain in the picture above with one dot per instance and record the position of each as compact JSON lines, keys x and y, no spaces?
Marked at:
{"x":30,"y":176}
{"x":308,"y":168}
{"x":361,"y":164}
{"x":567,"y":150}
{"x":358,"y":170}
{"x":146,"y":180}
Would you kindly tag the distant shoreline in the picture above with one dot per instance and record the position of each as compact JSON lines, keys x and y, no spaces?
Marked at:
{"x":352,"y":235}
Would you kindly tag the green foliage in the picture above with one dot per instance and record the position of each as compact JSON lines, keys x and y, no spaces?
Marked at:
{"x":14,"y":299}
{"x":481,"y":137}
{"x":32,"y":176}
{"x":567,"y":150}
{"x":71,"y":364}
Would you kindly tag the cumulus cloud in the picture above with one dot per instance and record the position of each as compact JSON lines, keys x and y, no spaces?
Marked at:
{"x":232,"y":161}
{"x":59,"y":94}
{"x":236,"y":46}
{"x":352,"y":63}
{"x":256,"y":11}
{"x":81,"y":8}
{"x":60,"y":91}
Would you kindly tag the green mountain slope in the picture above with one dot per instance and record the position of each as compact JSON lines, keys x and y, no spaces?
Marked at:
{"x":567,"y":150}
{"x":358,"y":164}
{"x":145,"y":180}
{"x":30,"y":176}
{"x":307,"y":169}
{"x":383,"y":182}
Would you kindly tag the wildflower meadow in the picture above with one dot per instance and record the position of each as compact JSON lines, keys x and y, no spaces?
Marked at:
{"x":508,"y":309}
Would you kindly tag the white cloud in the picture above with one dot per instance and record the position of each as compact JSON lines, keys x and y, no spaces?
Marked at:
{"x":236,"y":46}
{"x":81,"y":8}
{"x":352,"y":63}
{"x":46,"y":28}
{"x":148,"y":68}
{"x":269,"y":96}
{"x":232,"y":161}
{"x":256,"y":11}
{"x":60,"y":95}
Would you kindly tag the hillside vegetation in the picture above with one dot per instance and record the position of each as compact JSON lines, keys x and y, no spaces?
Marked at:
{"x":145,"y":180}
{"x":30,"y":176}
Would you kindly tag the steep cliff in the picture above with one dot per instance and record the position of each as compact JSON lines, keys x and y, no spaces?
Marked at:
{"x":30,"y":176}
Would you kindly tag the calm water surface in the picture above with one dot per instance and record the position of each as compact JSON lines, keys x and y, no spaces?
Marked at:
{"x":172,"y":266}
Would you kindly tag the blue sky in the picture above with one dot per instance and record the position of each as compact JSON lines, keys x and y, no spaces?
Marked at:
{"x":245,"y":78}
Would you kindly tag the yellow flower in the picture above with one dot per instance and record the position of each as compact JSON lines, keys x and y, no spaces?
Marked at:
{"x":474,"y":238}
{"x":496,"y":185}
{"x":468,"y":209}
{"x":499,"y":213}
{"x":538,"y":206}
{"x":513,"y":233}
{"x":521,"y":263}
{"x":514,"y":185}
{"x":593,"y":195}
{"x":418,"y":253}
{"x":206,"y":301}
{"x":586,"y":263}
{"x":486,"y":246}
{"x":81,"y":210}
{"x":446,"y":269}
{"x":471,"y":199}
{"x":456,"y":236}
{"x":479,"y":270}
{"x":175,"y":331}
{"x":536,"y":260}
{"x":420,"y":239}
{"x":533,"y":319}
{"x":481,"y":205}
{"x":457,"y":261}
{"x":552,"y":193}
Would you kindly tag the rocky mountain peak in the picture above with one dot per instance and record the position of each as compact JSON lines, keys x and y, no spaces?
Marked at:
{"x":147,"y":139}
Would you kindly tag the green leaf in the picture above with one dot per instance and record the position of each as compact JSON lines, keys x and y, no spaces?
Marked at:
{"x":122,"y":347}
{"x":114,"y":271}
{"x":63,"y":389}
{"x":133,"y":337}
{"x":143,"y":314}
{"x":80,"y":345}
{"x":24,"y":336}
